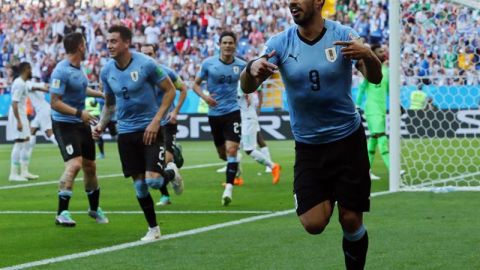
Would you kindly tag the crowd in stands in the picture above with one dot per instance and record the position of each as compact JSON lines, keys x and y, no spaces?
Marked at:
{"x":440,"y":40}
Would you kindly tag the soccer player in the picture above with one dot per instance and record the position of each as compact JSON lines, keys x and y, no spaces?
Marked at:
{"x":129,"y":82}
{"x":376,"y":111}
{"x":315,"y":59}
{"x":18,"y":128}
{"x":71,"y":126}
{"x":169,"y":121}
{"x":222,"y":73}
{"x":249,"y":104}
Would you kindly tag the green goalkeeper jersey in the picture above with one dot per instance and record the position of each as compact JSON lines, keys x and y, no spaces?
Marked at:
{"x":376,"y":103}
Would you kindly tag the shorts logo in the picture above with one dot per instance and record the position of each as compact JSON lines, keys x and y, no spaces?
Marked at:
{"x":296,"y":202}
{"x":134,"y":75}
{"x":69,"y":149}
{"x":236,"y":69}
{"x":331,"y":54}
{"x":55,"y":83}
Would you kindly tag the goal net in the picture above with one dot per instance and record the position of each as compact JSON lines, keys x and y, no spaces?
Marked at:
{"x":440,"y":92}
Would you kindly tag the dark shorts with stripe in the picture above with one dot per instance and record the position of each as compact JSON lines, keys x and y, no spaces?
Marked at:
{"x":137,"y":158}
{"x":74,"y":140}
{"x":170,"y":136}
{"x":338,"y":171}
{"x":226,"y":128}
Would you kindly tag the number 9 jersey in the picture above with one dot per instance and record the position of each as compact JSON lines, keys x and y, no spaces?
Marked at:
{"x":318,"y":82}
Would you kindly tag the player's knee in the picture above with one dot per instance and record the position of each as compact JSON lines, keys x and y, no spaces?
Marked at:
{"x":74,"y":166}
{"x":155,"y":183}
{"x":232,"y":151}
{"x":89,"y":167}
{"x":141,"y":188}
{"x":314,"y":227}
{"x":350,"y":220}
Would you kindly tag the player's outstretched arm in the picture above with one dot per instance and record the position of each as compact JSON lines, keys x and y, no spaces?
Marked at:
{"x":256,"y":72}
{"x":198,"y":90}
{"x":368,"y":63}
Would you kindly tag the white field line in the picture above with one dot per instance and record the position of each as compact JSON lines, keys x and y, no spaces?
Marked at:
{"x":103,"y":176}
{"x":185,"y":212}
{"x":163,"y":238}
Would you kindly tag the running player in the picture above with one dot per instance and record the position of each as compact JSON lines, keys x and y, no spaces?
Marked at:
{"x":315,"y":59}
{"x":129,"y":81}
{"x":222,"y":74}
{"x":169,"y":121}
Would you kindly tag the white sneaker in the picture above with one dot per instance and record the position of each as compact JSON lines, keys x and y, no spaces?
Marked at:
{"x":177,"y":182}
{"x":222,"y":170}
{"x":17,"y":177}
{"x":29,"y":176}
{"x":268,"y":170}
{"x":152,"y":234}
{"x":373,"y":177}
{"x":227,"y":195}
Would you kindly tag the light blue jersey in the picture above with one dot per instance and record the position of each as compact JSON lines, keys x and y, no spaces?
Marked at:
{"x":70,"y":83}
{"x":134,"y":88}
{"x":222,"y":83}
{"x":173,"y":77}
{"x":318,"y":82}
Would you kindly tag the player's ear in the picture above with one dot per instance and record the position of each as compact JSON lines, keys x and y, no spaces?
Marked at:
{"x":319,"y":3}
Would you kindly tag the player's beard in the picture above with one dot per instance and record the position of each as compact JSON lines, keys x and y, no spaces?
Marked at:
{"x":307,"y":17}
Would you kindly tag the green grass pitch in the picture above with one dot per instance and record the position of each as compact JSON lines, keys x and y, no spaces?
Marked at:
{"x":407,"y":230}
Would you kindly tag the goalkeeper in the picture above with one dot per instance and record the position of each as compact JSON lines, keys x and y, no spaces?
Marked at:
{"x":376,"y":111}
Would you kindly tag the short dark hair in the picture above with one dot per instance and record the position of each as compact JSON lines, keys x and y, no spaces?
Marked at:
{"x":375,"y":46}
{"x":150,"y":45}
{"x":23,"y":66}
{"x":228,"y":34}
{"x":125,"y":32}
{"x":72,"y":41}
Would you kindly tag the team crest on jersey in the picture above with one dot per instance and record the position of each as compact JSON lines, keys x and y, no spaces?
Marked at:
{"x":134,"y":75}
{"x":331,"y":54}
{"x":236,"y":69}
{"x":55,"y":83}
{"x":69,"y":149}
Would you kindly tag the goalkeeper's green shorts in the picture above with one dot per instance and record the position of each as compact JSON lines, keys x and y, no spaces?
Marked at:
{"x":376,"y":123}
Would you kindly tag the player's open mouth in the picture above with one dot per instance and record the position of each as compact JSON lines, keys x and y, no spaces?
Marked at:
{"x":295,"y":11}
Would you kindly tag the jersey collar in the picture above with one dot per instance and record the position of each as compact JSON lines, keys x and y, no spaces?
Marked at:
{"x":315,"y":40}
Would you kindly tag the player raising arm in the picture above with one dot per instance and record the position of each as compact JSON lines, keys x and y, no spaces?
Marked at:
{"x":315,"y":59}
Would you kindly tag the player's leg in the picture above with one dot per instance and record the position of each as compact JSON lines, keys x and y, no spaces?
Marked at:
{"x":169,"y":131}
{"x":312,"y":188}
{"x":383,"y":147}
{"x":376,"y":127}
{"x":218,"y":139}
{"x":263,"y":148}
{"x":15,"y":174}
{"x":132,"y":156}
{"x":101,"y":147}
{"x":157,"y":173}
{"x":33,"y":138}
{"x":69,"y":143}
{"x":249,"y":144}
{"x":90,"y":180}
{"x":231,"y":130}
{"x":25,"y":156}
{"x":352,"y":192}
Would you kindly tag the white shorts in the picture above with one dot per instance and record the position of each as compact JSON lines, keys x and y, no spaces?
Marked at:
{"x":250,"y":129}
{"x":42,"y":120}
{"x":12,"y":132}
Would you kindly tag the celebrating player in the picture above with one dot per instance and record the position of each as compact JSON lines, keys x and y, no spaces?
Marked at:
{"x":222,"y":74}
{"x":169,"y":121}
{"x":315,"y":59}
{"x":71,"y":126}
{"x":129,"y":82}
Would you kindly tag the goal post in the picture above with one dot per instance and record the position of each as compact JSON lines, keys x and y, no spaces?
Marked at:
{"x":435,"y":76}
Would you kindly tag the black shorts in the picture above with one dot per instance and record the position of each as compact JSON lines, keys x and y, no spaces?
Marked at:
{"x":226,"y":128}
{"x":74,"y":140}
{"x":169,"y":135}
{"x":337,"y":171}
{"x":137,"y":158}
